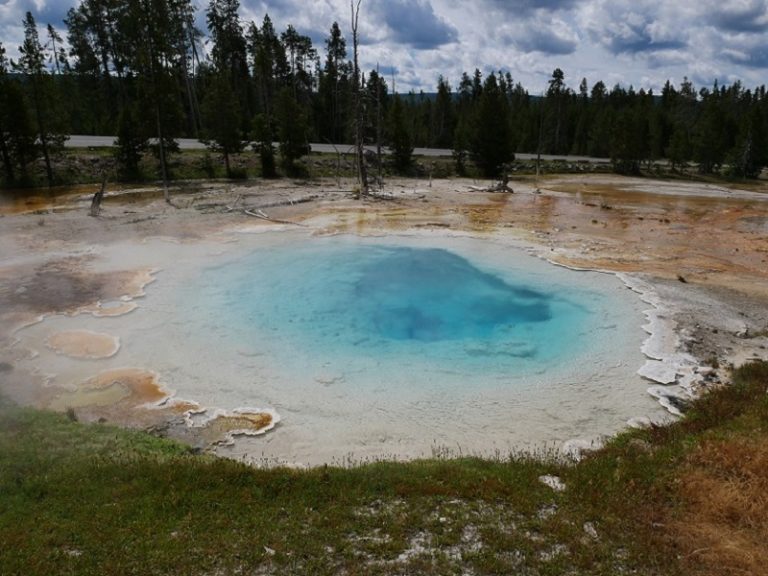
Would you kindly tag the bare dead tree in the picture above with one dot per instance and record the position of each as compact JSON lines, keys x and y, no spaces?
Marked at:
{"x":538,"y":146}
{"x":156,"y":97}
{"x":98,"y":197}
{"x":338,"y":162}
{"x":362,"y":175}
{"x":378,"y":127}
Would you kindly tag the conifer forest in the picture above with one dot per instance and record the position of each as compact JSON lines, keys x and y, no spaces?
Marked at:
{"x":138,"y":70}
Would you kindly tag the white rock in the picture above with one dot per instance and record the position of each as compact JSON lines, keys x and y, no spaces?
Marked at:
{"x":576,"y":448}
{"x":639,"y":422}
{"x":658,"y":372}
{"x":589,"y":530}
{"x":553,"y":482}
{"x":670,"y":398}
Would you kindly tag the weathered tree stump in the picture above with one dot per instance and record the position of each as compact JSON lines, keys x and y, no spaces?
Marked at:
{"x":97,"y":198}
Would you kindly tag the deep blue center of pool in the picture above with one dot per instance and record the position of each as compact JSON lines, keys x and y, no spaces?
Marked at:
{"x":432,"y":295}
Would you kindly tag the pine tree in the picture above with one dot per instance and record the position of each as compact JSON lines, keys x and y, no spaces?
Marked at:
{"x":583,"y":121}
{"x":92,"y":32}
{"x":292,"y":130}
{"x":555,"y":119}
{"x":708,"y":138}
{"x":131,"y":142}
{"x":270,"y":66}
{"x":442,"y":121}
{"x":491,"y":144}
{"x":679,"y":149}
{"x":602,"y":120}
{"x":154,"y":28}
{"x":221,"y":119}
{"x":17,"y":132}
{"x":94,"y":105}
{"x":400,"y":139}
{"x":229,"y":57}
{"x":5,"y":144}
{"x":31,"y":64}
{"x":301,"y":56}
{"x":334,"y":88}
{"x":628,"y":141}
{"x":749,"y":155}
{"x":263,"y":134}
{"x":462,"y":138}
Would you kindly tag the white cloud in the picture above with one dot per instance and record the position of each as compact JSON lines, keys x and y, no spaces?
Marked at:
{"x":639,"y":42}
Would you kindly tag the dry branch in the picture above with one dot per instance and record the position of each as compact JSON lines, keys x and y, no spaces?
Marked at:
{"x":261,"y":215}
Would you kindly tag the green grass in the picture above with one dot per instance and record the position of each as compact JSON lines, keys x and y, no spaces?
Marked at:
{"x":92,"y":499}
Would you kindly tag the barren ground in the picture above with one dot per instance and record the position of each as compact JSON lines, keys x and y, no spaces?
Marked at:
{"x":703,"y":248}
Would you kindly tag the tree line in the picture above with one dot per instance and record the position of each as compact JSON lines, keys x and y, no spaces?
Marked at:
{"x":134,"y":69}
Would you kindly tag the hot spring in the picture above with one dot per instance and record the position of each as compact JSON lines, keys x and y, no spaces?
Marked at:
{"x":386,"y":347}
{"x":358,"y":304}
{"x":401,"y":346}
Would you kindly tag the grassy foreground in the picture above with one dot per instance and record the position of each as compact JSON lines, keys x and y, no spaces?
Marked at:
{"x":690,"y":498}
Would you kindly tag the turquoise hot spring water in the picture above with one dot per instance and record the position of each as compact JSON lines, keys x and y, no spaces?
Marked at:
{"x":393,"y":346}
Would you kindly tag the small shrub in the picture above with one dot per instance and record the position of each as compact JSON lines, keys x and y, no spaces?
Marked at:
{"x":207,"y":165}
{"x":71,"y":414}
{"x":238,"y":174}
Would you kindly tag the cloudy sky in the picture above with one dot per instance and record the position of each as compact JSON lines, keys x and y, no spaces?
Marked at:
{"x":638,"y":42}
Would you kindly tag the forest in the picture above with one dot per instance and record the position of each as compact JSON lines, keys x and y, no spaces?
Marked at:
{"x":136,"y":69}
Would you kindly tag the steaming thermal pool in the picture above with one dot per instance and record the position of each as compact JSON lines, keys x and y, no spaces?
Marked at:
{"x":393,"y":346}
{"x":396,"y":346}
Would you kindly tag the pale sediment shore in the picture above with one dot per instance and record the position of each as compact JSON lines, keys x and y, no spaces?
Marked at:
{"x":706,"y":291}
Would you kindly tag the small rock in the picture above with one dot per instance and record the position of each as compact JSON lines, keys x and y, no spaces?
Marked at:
{"x":589,"y":530}
{"x":73,"y":552}
{"x":577,"y":448}
{"x":553,"y":482}
{"x":553,"y":552}
{"x":546,"y":512}
{"x":268,"y":551}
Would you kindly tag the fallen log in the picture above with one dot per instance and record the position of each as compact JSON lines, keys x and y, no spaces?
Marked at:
{"x":261,"y":215}
{"x":501,"y":186}
{"x":286,"y":202}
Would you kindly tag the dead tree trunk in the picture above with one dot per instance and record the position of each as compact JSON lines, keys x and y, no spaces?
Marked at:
{"x":378,"y":128}
{"x":338,"y":162}
{"x":362,"y":175}
{"x":98,"y":197}
{"x":156,"y":98}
